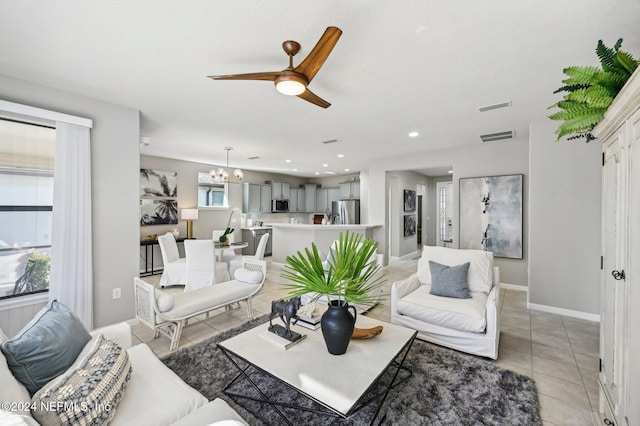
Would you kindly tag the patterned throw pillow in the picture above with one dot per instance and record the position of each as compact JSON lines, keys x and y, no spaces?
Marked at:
{"x":449,"y":281}
{"x":89,"y":391}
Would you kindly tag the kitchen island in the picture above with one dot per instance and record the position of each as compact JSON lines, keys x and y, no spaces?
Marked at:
{"x":289,"y":238}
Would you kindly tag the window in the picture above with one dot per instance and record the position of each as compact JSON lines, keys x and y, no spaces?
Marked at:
{"x":26,"y":203}
{"x":210,"y":193}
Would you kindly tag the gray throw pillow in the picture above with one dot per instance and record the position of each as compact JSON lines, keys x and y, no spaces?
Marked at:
{"x":449,"y":281}
{"x":46,"y":346}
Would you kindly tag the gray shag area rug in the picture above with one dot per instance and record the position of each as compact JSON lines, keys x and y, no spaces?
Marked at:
{"x":446,"y":388}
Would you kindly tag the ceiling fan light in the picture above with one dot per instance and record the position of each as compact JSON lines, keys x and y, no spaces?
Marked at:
{"x":290,"y":85}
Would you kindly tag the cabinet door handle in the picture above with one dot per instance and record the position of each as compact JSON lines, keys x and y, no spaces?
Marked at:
{"x":618,"y":275}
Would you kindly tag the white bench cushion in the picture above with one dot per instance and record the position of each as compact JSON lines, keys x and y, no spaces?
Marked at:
{"x":459,"y":314}
{"x":155,"y":395}
{"x":185,"y":304}
{"x":480,"y":277}
{"x":217,"y":412}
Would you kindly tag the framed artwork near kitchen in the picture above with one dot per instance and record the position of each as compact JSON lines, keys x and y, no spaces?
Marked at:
{"x":409,"y":200}
{"x":491,"y":214}
{"x":409,"y":225}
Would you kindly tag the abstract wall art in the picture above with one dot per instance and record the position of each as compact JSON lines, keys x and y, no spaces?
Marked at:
{"x":491,"y":214}
{"x":409,"y":225}
{"x":409,"y":200}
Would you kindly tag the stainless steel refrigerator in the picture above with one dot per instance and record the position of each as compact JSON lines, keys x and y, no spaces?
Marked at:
{"x":345,"y":212}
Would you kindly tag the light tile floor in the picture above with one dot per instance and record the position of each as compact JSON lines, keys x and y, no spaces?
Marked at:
{"x":560,"y":353}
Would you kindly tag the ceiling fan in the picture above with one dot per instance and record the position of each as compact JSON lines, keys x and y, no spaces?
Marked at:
{"x":294,"y":81}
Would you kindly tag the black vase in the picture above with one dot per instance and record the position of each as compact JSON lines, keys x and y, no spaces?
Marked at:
{"x":337,"y":326}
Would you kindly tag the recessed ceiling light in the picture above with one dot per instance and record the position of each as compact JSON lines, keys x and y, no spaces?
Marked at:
{"x":330,"y":173}
{"x":317,"y":173}
{"x":287,"y":161}
{"x":413,"y":134}
{"x":450,"y":172}
{"x":325,"y":165}
{"x":340,"y":155}
{"x":295,"y":170}
{"x":346,"y":170}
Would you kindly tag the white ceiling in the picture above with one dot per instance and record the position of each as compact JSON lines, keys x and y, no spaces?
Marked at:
{"x":404,"y":66}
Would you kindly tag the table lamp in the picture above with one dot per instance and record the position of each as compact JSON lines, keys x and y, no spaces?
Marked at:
{"x":189,"y":215}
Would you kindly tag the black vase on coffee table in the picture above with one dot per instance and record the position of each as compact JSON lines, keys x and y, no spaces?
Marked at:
{"x":337,"y":326}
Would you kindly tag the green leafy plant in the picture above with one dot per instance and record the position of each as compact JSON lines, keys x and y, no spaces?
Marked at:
{"x":40,"y":276}
{"x":350,"y":274}
{"x":590,"y":91}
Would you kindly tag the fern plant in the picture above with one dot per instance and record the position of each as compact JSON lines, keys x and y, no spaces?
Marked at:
{"x":590,"y":91}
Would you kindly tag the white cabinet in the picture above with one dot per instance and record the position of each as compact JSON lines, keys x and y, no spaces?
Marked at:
{"x":256,"y":198}
{"x":280,"y":190}
{"x":620,"y":290}
{"x":350,"y":190}
{"x":310,"y":198}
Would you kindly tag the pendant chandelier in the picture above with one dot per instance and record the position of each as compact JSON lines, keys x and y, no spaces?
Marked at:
{"x":222,"y":174}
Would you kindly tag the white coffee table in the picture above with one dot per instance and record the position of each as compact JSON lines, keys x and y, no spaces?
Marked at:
{"x":337,"y":382}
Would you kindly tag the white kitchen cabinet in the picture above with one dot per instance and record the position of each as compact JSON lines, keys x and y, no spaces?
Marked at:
{"x":310,"y":198}
{"x":619,"y":378}
{"x":350,"y":190}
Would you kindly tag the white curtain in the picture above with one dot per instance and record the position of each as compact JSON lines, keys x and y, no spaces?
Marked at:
{"x":71,"y":280}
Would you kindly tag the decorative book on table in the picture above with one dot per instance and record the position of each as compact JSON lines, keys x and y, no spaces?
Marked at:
{"x":278,"y":341}
{"x":307,"y":324}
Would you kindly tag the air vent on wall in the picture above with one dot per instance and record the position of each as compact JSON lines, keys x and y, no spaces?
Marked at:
{"x":500,"y":136}
{"x":494,"y":106}
{"x":331,"y":141}
{"x":253,"y":158}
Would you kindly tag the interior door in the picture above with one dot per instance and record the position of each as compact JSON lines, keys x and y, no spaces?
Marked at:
{"x":613,"y":238}
{"x":444,"y":206}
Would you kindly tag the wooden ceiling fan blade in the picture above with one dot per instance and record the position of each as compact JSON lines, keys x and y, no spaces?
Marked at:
{"x":309,"y":96}
{"x":312,"y":63}
{"x":267,"y":76}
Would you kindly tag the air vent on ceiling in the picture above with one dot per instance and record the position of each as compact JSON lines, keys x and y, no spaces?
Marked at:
{"x":494,"y":106}
{"x":331,"y":141}
{"x":500,"y":136}
{"x":253,"y":158}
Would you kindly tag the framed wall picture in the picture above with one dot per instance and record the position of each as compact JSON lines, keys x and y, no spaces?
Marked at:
{"x":409,"y":200}
{"x":159,"y":211}
{"x":409,"y":225}
{"x":158,"y":184}
{"x":491,"y":214}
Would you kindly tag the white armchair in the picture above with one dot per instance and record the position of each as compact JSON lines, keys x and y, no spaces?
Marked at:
{"x":175,"y":267}
{"x":203,"y":269}
{"x":469,"y":325}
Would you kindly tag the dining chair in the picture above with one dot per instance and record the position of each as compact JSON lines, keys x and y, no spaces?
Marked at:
{"x":202,"y":267}
{"x":175,"y":267}
{"x":236,"y":262}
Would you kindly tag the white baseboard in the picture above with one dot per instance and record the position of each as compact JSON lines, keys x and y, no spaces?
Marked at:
{"x":393,"y":258}
{"x":565,"y":312}
{"x":515,"y":287}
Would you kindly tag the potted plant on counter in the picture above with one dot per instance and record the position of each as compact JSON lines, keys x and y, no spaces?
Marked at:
{"x":350,"y":275}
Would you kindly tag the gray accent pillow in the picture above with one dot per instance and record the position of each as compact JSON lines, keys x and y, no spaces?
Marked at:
{"x":46,"y":346}
{"x":449,"y":281}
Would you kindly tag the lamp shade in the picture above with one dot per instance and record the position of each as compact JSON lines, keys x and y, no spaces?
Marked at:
{"x":189,"y":214}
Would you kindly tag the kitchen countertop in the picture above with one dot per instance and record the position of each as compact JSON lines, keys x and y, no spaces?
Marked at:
{"x":320,"y":227}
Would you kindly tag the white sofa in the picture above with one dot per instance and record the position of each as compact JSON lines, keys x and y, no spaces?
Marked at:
{"x":154,"y":396}
{"x":469,"y":325}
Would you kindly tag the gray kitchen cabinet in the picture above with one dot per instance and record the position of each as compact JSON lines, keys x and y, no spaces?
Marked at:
{"x":256,"y":198}
{"x":293,"y":200}
{"x":350,"y":190}
{"x":301,"y":200}
{"x":280,"y":190}
{"x":322,"y":200}
{"x":310,"y":198}
{"x":333,"y":194}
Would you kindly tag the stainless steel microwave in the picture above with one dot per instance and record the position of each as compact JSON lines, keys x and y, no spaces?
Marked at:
{"x":279,"y":206}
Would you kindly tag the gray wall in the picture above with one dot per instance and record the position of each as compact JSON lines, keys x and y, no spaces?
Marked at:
{"x":499,"y":158}
{"x":564,"y":227}
{"x":115,"y":165}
